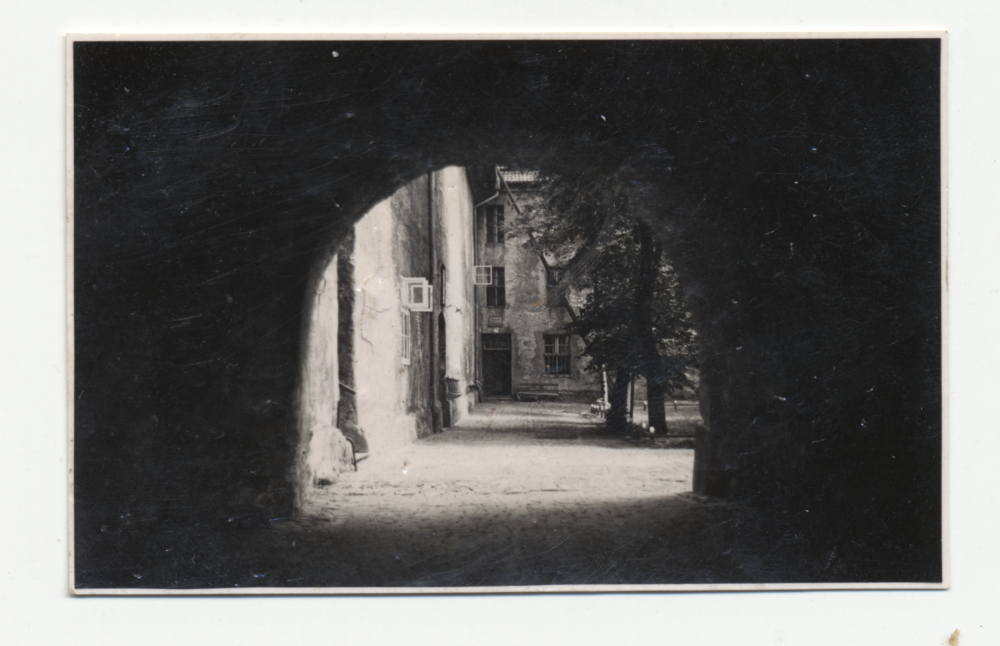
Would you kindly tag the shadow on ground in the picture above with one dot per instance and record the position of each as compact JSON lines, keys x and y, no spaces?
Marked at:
{"x":515,"y":495}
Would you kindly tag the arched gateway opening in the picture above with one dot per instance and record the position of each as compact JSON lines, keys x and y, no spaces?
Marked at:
{"x":796,"y":184}
{"x":456,"y":295}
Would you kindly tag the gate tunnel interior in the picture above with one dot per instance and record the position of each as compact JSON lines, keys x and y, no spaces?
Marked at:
{"x":796,"y":184}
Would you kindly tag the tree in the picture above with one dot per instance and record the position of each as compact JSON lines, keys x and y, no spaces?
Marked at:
{"x":634,"y":321}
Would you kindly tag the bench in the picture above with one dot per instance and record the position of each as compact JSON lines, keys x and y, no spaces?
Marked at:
{"x":600,"y":408}
{"x":538,"y":392}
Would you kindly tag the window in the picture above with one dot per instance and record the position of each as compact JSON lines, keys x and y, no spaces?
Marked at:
{"x":494,"y":224}
{"x":512,"y":176}
{"x":442,"y":281}
{"x":404,"y":332}
{"x":496,"y":292}
{"x":556,"y":354}
{"x":484,"y":275}
{"x":421,"y":297}
{"x":418,"y":295}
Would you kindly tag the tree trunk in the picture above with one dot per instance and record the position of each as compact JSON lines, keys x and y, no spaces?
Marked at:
{"x":654,"y":395}
{"x":649,"y":267}
{"x":617,"y":421}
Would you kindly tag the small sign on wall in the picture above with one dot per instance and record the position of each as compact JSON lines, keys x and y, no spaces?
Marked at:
{"x":496,"y":321}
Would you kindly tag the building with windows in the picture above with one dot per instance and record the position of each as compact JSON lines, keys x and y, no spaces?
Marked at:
{"x":523,"y":305}
{"x":431,"y":302}
{"x":390,"y":343}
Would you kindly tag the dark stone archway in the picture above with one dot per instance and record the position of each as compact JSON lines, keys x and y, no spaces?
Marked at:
{"x":796,"y":184}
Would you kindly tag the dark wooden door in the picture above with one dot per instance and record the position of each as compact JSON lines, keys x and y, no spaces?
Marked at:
{"x":496,"y":365}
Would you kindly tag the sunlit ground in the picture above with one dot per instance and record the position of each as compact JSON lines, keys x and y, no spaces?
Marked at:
{"x":520,"y":494}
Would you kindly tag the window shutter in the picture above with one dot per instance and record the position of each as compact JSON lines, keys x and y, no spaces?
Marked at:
{"x":404,"y":331}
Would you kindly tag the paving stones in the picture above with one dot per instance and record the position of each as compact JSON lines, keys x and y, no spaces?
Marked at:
{"x":532,"y":483}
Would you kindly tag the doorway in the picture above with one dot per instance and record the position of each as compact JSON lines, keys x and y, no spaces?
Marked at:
{"x":496,"y":365}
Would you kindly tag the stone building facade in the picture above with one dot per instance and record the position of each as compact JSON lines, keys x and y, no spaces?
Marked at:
{"x":524,"y":349}
{"x":390,"y":345}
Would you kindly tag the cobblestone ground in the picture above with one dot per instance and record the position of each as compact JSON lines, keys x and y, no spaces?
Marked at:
{"x":519,"y":494}
{"x":527,"y":494}
{"x":506,"y":462}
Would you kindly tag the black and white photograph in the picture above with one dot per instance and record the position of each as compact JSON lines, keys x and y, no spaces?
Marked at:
{"x":604,"y":313}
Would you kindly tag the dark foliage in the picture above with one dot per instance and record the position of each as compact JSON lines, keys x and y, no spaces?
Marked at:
{"x":635,"y":319}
